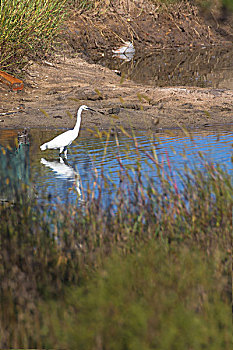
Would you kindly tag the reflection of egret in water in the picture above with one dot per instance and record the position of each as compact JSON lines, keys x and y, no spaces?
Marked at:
{"x":64,"y":171}
{"x":125,"y":52}
{"x":125,"y":56}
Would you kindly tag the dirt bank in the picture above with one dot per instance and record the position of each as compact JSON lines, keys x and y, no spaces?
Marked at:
{"x":148,"y":25}
{"x":71,"y":80}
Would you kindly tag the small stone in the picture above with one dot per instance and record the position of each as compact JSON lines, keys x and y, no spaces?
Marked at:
{"x":114,"y":110}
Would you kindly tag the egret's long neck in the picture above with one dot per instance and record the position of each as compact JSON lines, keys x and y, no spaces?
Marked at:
{"x":78,"y":122}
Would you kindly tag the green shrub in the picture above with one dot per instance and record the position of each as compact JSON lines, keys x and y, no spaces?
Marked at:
{"x":159,"y":297}
{"x":27,"y":28}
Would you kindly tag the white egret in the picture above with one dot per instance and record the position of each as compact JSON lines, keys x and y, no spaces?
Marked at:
{"x":65,"y":139}
{"x":124,"y":49}
{"x":125,"y":52}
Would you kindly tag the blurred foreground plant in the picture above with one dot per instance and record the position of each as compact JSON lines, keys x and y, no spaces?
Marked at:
{"x":46,"y":250}
{"x":159,"y":297}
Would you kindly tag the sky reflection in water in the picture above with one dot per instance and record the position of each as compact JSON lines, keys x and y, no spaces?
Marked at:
{"x":67,"y":180}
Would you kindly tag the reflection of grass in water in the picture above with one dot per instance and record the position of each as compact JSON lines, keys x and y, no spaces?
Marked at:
{"x":14,"y":171}
{"x":153,"y":268}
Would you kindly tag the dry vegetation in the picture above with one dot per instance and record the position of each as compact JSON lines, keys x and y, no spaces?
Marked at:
{"x":151,"y":267}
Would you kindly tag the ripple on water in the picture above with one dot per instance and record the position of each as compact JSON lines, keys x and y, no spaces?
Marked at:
{"x":66,"y":180}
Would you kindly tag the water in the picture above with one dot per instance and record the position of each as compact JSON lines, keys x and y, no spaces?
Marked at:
{"x":58,"y":179}
{"x":201,"y":67}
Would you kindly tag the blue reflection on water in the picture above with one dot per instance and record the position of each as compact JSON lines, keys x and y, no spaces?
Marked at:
{"x":63,"y":180}
{"x":87,"y":154}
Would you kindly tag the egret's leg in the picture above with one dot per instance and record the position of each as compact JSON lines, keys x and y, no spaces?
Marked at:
{"x":61,"y":150}
{"x":65,"y":152}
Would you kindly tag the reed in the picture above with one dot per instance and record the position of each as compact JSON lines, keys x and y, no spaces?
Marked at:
{"x":143,"y":267}
{"x":27,"y":29}
{"x":158,"y":297}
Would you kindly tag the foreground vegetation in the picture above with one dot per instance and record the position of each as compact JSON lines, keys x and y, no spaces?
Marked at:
{"x":151,"y":269}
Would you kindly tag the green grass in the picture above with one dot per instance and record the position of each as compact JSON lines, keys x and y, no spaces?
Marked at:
{"x":27,"y":29}
{"x":153,"y":268}
{"x":159,"y":297}
{"x":228,"y":4}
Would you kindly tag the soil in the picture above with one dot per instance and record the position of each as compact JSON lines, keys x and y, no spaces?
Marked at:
{"x":55,"y":89}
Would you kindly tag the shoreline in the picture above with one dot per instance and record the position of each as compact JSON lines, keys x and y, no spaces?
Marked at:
{"x":58,"y":91}
{"x":68,"y":77}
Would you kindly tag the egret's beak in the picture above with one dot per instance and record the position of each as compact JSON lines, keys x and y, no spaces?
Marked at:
{"x":90,"y":109}
{"x":95,"y":111}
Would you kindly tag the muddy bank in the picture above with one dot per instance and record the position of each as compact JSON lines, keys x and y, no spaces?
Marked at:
{"x":210,"y":67}
{"x":149,"y":25}
{"x":71,"y":79}
{"x":61,"y":88}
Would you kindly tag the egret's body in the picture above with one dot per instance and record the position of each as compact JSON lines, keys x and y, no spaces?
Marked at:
{"x":124,"y":49}
{"x":64,"y":140}
{"x":125,"y":52}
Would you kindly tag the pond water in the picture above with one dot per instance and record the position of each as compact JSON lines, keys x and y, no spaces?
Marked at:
{"x":202,"y":67}
{"x":55,"y":178}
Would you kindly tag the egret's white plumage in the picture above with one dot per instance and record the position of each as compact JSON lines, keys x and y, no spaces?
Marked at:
{"x":124,"y":49}
{"x":64,"y":140}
